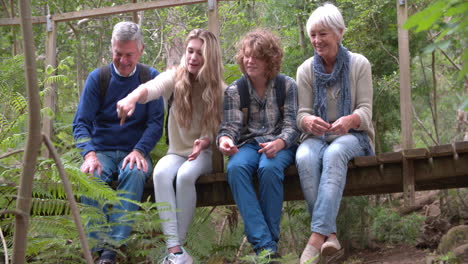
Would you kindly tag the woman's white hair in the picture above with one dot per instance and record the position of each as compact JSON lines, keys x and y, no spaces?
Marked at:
{"x":327,"y":16}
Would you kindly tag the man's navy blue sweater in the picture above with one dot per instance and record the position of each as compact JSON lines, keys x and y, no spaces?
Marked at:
{"x":96,"y":126}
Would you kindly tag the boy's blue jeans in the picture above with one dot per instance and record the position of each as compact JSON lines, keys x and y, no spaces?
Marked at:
{"x":261,"y":215}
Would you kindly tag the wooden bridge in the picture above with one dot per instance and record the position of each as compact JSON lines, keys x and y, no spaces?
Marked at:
{"x":438,"y":167}
{"x":411,"y":170}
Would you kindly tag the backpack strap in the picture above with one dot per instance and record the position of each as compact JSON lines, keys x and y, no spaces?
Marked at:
{"x":105,"y":75}
{"x":280,"y":87}
{"x":243,"y":90}
{"x":104,"y":79}
{"x":145,"y":74}
{"x":166,"y":122}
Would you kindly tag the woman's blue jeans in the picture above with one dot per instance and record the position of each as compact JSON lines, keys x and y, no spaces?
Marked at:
{"x":322,"y":168}
{"x":261,"y":215}
{"x":131,"y":181}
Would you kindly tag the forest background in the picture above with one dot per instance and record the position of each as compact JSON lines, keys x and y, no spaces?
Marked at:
{"x":439,"y":88}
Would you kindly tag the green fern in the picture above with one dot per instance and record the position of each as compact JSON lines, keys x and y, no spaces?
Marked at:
{"x":19,"y":103}
{"x":55,"y":79}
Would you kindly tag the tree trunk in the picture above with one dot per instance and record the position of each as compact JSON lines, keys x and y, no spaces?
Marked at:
{"x":428,"y":198}
{"x":33,"y":141}
{"x":434,"y":98}
{"x":300,"y":26}
{"x":15,"y":50}
{"x":174,"y":45}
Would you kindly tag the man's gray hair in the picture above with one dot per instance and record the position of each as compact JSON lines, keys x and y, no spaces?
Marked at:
{"x":125,"y":31}
{"x":327,"y":16}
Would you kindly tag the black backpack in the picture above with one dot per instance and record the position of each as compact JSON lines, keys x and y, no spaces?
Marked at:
{"x":243,"y":89}
{"x":105,"y":74}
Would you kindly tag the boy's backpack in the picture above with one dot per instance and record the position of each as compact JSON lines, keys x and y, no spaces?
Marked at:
{"x":105,"y":74}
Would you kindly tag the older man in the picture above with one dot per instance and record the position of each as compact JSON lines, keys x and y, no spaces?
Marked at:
{"x":111,"y":150}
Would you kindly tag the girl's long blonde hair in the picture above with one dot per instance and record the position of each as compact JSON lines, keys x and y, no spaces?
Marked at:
{"x":210,"y":76}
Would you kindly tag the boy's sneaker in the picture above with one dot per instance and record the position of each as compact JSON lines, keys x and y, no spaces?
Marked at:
{"x":183,"y":258}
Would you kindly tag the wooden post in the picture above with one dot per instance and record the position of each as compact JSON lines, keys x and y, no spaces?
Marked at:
{"x":408,"y":182}
{"x":15,"y":49}
{"x":405,"y":100}
{"x":405,"y":87}
{"x":50,"y":98}
{"x":135,"y":14}
{"x":213,"y":19}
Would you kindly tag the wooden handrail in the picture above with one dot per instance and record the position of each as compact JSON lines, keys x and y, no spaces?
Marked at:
{"x":434,"y":168}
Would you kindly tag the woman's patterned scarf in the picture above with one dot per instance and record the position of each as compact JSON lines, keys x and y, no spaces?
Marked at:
{"x":323,"y":80}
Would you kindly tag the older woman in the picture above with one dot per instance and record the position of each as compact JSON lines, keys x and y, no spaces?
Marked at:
{"x":335,"y":117}
{"x":259,"y":136}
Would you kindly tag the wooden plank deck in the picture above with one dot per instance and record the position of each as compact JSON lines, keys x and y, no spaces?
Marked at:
{"x":439,"y":167}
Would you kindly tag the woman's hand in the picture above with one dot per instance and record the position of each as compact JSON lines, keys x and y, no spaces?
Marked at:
{"x":126,"y":106}
{"x":198,"y":146}
{"x":343,"y":124}
{"x":226,"y":146}
{"x":315,"y":125}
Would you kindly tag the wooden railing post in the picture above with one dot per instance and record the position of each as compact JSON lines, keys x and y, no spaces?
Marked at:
{"x":405,"y":101}
{"x":213,"y":19}
{"x":408,"y":182}
{"x":50,"y":98}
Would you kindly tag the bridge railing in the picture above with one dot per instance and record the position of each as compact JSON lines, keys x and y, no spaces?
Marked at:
{"x":438,"y":167}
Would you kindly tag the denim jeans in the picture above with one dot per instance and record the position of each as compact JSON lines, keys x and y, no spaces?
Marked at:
{"x":261,"y":215}
{"x":131,"y":181}
{"x":322,"y":168}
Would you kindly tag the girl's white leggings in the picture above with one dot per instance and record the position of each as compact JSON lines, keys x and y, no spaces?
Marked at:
{"x":179,"y":204}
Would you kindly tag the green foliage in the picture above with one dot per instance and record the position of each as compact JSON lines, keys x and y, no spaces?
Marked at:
{"x":295,"y":227}
{"x":388,"y":226}
{"x":386,"y":112}
{"x":13,"y":105}
{"x":264,"y":257}
{"x":146,"y":240}
{"x":352,"y":226}
{"x":447,"y":19}
{"x":231,"y":73}
{"x":449,"y":258}
{"x":372,"y":31}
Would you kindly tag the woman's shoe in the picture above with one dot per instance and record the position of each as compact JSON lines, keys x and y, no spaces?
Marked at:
{"x":330,"y":247}
{"x":183,"y":258}
{"x":310,"y":255}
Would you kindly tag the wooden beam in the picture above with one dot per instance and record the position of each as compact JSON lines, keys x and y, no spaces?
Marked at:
{"x":405,"y":102}
{"x":50,"y":98}
{"x":405,"y":86}
{"x":135,"y":14}
{"x":213,"y":19}
{"x":15,"y":21}
{"x":105,"y":11}
{"x":127,"y":8}
{"x":432,"y":171}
